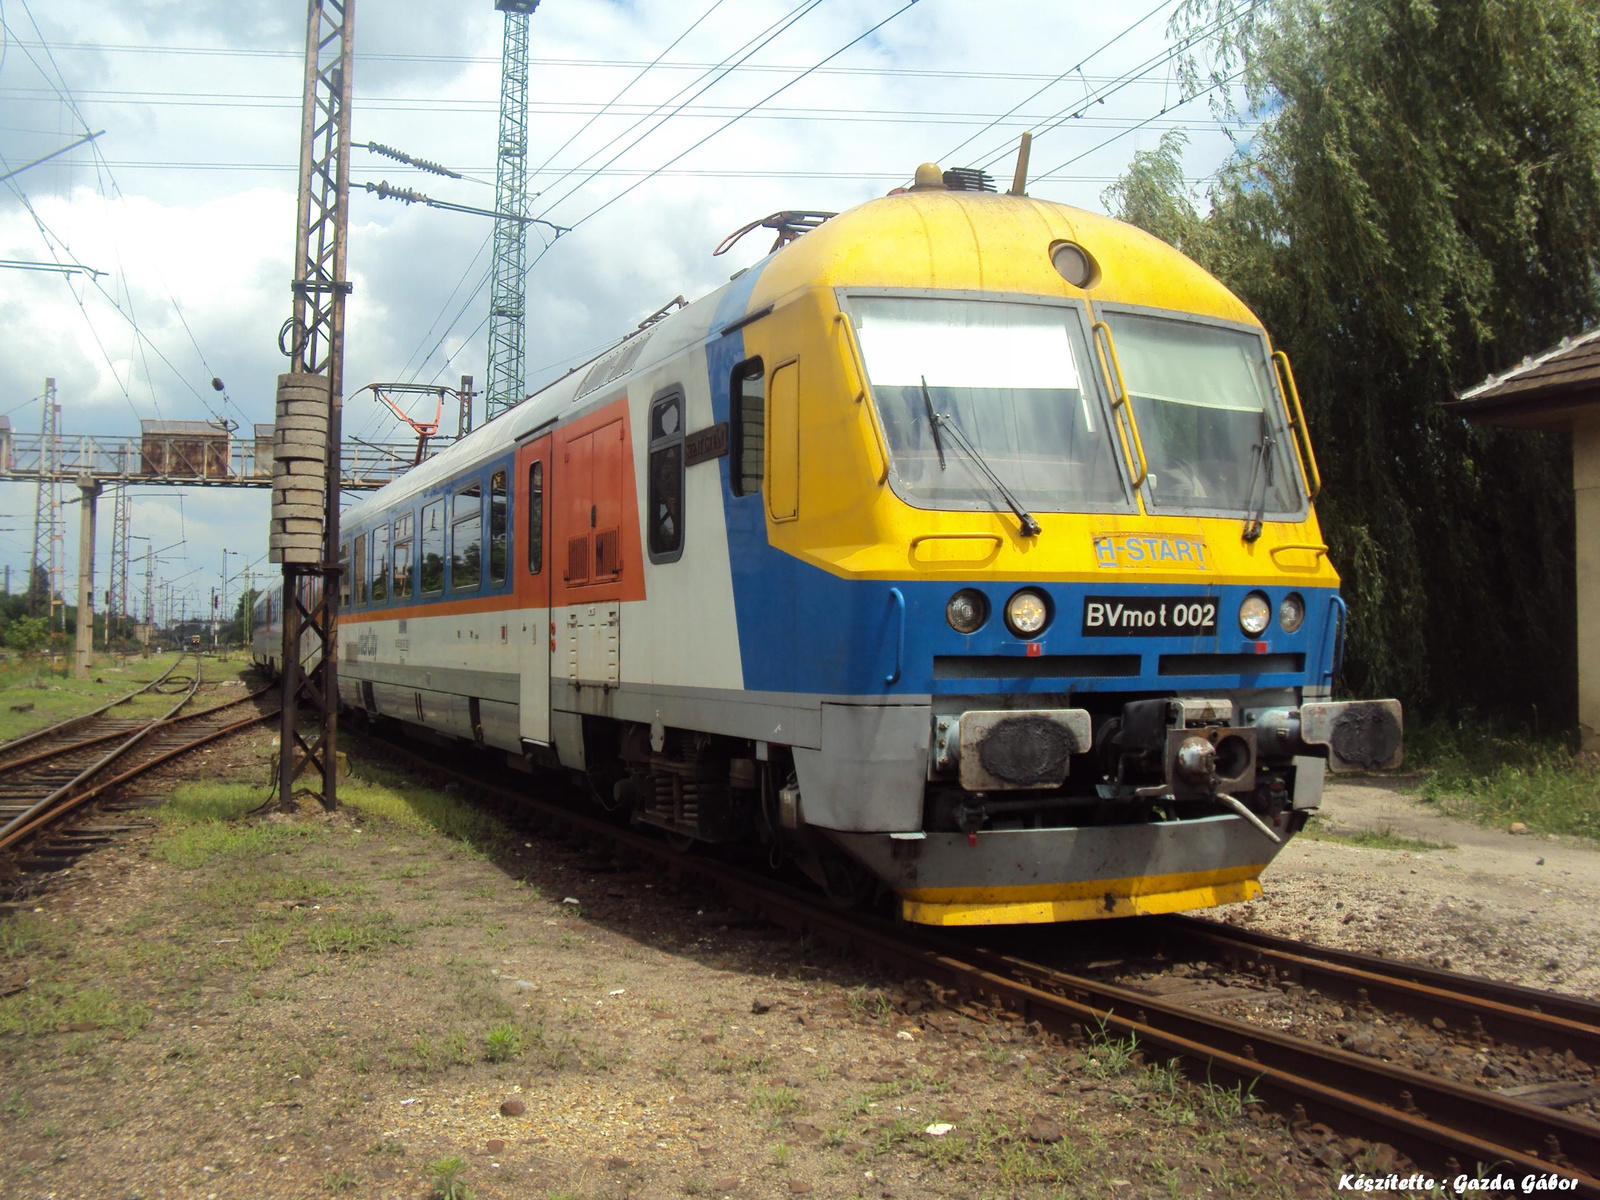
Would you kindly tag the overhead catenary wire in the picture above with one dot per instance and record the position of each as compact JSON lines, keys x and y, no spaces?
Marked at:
{"x":1075,"y":69}
{"x":607,"y":106}
{"x":65,"y":92}
{"x":443,"y":308}
{"x":1099,"y":95}
{"x":713,"y":76}
{"x":1215,"y":86}
{"x":565,"y":106}
{"x":483,"y":282}
{"x":769,"y":34}
{"x":167,"y":51}
{"x":51,"y":250}
{"x":733,"y":121}
{"x":796,"y":14}
{"x":865,"y":175}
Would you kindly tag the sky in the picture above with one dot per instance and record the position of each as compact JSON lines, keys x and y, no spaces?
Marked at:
{"x":187,"y":202}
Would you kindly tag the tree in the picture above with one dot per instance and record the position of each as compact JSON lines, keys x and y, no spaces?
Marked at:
{"x":236,"y":630}
{"x":1154,"y":195}
{"x":27,"y":634}
{"x":1419,"y":207}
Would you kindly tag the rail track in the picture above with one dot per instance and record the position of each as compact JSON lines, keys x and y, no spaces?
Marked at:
{"x":77,"y":762}
{"x":62,"y":732}
{"x":1331,"y":1096}
{"x":1484,"y":1010}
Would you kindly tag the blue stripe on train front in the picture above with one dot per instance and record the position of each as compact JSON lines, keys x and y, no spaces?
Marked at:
{"x":802,"y":629}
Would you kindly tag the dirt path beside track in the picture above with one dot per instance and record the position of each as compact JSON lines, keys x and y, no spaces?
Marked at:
{"x":1518,"y":907}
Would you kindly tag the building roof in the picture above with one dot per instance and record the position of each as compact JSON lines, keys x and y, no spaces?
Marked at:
{"x":265,"y":432}
{"x":189,"y":428}
{"x":1543,"y":391}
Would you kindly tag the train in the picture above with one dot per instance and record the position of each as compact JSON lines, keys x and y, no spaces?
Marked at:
{"x":960,"y":553}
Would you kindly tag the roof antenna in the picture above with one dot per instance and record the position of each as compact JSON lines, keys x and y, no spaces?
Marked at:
{"x":1019,"y":181}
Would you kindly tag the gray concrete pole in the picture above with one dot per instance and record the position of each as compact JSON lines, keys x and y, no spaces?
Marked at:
{"x":90,"y":490}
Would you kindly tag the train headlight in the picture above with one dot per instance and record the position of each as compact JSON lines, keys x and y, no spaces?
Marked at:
{"x":1026,"y":613}
{"x":1254,"y":612}
{"x":1292,"y":612}
{"x":967,"y":611}
{"x":1075,"y":264}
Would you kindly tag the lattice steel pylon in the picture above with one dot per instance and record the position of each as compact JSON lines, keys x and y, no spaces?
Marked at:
{"x":117,"y":596}
{"x":48,"y":537}
{"x":508,"y":278}
{"x":306,"y":436}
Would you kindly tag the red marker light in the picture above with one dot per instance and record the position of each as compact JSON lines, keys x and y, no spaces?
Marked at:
{"x":1261,"y":647}
{"x":1035,"y":649}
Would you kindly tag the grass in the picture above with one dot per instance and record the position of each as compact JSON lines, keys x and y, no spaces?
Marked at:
{"x":56,"y":695}
{"x":1318,"y":830}
{"x":869,"y":1004}
{"x":36,"y":933}
{"x":338,"y":935}
{"x":447,"y":1181}
{"x":339,"y":1181}
{"x":385,"y":795}
{"x":1106,"y":1057}
{"x":52,"y":1007}
{"x":1476,"y":772}
{"x":773,"y":1102}
{"x":1176,"y":1100}
{"x":503,"y":1043}
{"x":203,"y":822}
{"x":741,"y":1065}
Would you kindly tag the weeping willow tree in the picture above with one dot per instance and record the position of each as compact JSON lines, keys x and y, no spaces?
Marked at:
{"x":1418,"y":207}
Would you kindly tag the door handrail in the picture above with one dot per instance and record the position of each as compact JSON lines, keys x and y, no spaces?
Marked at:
{"x":1297,"y":424}
{"x":1340,"y":614}
{"x":896,"y":595}
{"x":1121,"y":409}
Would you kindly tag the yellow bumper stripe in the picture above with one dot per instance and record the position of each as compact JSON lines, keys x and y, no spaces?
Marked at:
{"x":1087,"y":900}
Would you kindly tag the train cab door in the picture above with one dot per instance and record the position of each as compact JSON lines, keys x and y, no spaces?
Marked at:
{"x":533,"y":590}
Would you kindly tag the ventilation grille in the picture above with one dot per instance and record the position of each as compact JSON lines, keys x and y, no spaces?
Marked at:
{"x":606,"y":564}
{"x":968,"y":179}
{"x":578,"y":559}
{"x":613,"y":366}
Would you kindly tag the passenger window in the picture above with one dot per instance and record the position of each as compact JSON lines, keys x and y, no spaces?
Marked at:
{"x":402,"y":557}
{"x":380,"y":564}
{"x":360,"y":572}
{"x":344,"y":575}
{"x":535,"y":518}
{"x":747,"y":409}
{"x":430,"y":571}
{"x":497,"y":528}
{"x":666,"y":478}
{"x":466,"y":538}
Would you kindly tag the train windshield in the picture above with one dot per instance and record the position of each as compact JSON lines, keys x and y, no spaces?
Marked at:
{"x":1012,"y":377}
{"x":1202,"y":395}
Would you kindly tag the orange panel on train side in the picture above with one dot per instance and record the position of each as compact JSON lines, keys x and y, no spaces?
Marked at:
{"x":595,"y":551}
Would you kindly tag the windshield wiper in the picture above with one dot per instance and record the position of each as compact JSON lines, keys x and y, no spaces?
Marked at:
{"x":1263,"y":468}
{"x":1030,"y":527}
{"x":933,"y":422}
